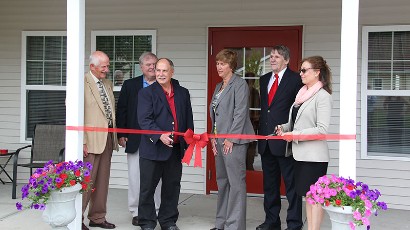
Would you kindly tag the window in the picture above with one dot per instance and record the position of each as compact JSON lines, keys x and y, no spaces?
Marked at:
{"x":124,"y":49}
{"x":43,"y":70}
{"x":386,"y":91}
{"x":43,"y":81}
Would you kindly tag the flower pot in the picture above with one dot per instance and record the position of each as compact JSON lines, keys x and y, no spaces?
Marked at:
{"x":60,"y":208}
{"x":340,"y":217}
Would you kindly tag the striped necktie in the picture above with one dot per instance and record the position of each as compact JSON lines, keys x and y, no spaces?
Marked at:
{"x":106,"y":103}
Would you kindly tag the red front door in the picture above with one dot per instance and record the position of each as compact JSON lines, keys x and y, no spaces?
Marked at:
{"x":253,"y":45}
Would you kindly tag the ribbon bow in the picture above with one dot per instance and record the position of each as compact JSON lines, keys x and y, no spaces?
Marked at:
{"x":194,"y":141}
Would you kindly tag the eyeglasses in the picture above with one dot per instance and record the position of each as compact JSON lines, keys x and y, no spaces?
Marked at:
{"x":304,"y":70}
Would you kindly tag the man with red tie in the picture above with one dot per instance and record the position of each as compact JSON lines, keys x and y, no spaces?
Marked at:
{"x":278,"y":90}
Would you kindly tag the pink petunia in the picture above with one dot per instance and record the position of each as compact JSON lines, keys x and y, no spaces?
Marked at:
{"x":357,"y":215}
{"x":366,"y":221}
{"x":352,"y":226}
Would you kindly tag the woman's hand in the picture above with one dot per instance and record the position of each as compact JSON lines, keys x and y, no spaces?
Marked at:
{"x":227,"y":147}
{"x":287,"y":136}
{"x":213,"y":142}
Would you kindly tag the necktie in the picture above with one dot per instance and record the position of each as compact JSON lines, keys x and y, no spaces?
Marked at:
{"x":106,"y":103}
{"x":273,"y":89}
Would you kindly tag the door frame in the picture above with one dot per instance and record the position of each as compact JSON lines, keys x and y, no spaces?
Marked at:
{"x":256,"y":177}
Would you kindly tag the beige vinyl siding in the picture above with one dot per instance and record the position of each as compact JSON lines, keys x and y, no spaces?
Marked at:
{"x":182,"y":35}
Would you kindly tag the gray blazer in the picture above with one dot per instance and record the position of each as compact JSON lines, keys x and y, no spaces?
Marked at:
{"x":313,"y":118}
{"x":232,"y":109}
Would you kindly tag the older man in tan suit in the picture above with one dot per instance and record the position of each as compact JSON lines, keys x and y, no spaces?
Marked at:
{"x":99,"y":111}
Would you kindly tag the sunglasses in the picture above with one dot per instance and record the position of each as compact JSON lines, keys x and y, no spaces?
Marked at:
{"x":304,"y":70}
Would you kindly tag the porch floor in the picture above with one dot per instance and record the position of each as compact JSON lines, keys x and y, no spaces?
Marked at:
{"x":197,"y":212}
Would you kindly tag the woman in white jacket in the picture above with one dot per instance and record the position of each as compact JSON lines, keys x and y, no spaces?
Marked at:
{"x":309,"y":116}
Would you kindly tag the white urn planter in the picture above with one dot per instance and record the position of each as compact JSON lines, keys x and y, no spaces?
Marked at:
{"x":60,"y":208}
{"x":340,"y":217}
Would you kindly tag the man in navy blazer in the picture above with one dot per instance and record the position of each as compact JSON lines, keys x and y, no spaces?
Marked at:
{"x":274,"y":162}
{"x":162,"y":106}
{"x":127,"y":119}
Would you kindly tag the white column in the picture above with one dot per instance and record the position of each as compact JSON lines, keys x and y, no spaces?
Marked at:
{"x":75,"y":89}
{"x":348,"y":87}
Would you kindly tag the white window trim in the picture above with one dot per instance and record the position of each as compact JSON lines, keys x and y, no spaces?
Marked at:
{"x":24,"y":87}
{"x":365,"y":91}
{"x":96,"y":33}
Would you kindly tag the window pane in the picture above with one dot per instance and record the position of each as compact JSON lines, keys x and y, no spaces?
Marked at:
{"x":401,"y":45}
{"x":52,"y":73}
{"x":380,"y":44}
{"x":64,"y":73}
{"x":142,"y":44}
{"x":34,"y":72}
{"x":44,"y":107}
{"x":106,"y":44}
{"x":388,"y":125}
{"x":401,"y":75}
{"x":123,"y":48}
{"x":379,"y":76}
{"x":53,"y":48}
{"x":35,"y":45}
{"x":122,"y":72}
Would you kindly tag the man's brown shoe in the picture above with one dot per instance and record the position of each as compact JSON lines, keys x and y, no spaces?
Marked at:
{"x":104,"y":224}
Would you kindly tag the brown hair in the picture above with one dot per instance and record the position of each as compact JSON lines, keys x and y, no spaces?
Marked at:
{"x":228,"y":56}
{"x":325,"y":75}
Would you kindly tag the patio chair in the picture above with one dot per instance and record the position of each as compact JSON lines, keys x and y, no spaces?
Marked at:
{"x":48,"y":143}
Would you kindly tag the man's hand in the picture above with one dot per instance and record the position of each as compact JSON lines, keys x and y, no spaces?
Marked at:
{"x":166,"y":139}
{"x":85,"y":151}
{"x":279,"y":130}
{"x":122,"y":141}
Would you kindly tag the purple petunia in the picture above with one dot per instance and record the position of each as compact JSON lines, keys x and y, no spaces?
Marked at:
{"x":19,"y":206}
{"x":89,"y":165}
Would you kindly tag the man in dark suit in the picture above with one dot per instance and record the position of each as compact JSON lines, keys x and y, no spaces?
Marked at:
{"x":278,"y":91}
{"x":127,"y":118}
{"x":163,"y":106}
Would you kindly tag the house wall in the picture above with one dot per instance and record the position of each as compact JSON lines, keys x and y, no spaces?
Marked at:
{"x":182,"y":27}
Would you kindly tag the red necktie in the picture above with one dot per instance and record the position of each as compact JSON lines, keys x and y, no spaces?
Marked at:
{"x":273,"y":89}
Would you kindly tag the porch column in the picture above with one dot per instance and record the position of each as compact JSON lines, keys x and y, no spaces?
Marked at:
{"x":75,"y":89}
{"x":348,"y":87}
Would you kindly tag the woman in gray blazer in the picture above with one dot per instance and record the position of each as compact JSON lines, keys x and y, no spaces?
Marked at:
{"x":310,"y":115}
{"x":229,"y":111}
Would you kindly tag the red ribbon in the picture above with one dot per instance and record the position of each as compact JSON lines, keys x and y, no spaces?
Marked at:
{"x":200,"y":141}
{"x":194,"y":141}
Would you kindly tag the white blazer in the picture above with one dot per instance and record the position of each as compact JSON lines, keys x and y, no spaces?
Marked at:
{"x":313,"y":118}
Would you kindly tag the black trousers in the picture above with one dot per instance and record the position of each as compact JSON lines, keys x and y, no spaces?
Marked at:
{"x":273,"y":167}
{"x":151,"y":171}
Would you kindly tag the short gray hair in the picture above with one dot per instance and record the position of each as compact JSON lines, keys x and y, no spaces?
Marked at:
{"x":96,"y":57}
{"x":146,"y":55}
{"x":282,"y":50}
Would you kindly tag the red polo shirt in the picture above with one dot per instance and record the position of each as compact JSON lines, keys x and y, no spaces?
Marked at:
{"x":171,"y":103}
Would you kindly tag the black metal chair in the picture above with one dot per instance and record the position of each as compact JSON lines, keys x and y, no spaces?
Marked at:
{"x":48,"y":143}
